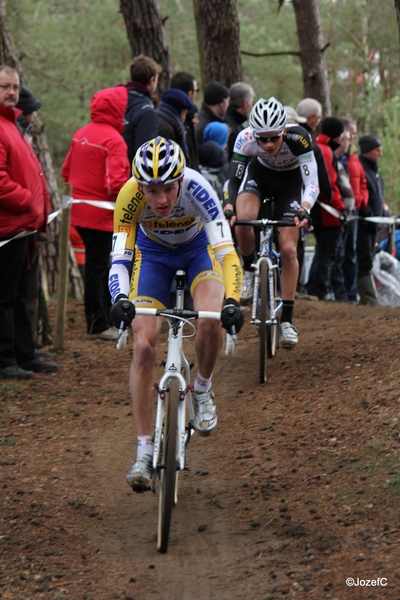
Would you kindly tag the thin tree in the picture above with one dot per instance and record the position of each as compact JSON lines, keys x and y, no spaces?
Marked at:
{"x":218,"y":39}
{"x":311,"y":43}
{"x":146,"y":34}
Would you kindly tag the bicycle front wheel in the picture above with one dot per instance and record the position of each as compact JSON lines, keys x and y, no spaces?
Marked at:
{"x":262,"y":317}
{"x":168,"y":467}
{"x":272,"y":328}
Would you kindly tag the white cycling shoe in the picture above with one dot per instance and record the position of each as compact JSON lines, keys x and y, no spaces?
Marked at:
{"x":141,"y":474}
{"x":288,"y":337}
{"x":205,"y":413}
{"x":246,"y":293}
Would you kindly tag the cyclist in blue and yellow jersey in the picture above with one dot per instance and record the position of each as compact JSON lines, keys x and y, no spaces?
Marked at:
{"x":271,"y":160}
{"x":168,"y":217}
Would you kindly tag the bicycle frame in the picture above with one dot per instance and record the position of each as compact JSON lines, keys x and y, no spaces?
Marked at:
{"x":176,"y":367}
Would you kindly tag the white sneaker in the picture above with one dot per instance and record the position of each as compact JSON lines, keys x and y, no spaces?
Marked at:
{"x":288,"y":335}
{"x":205,"y":414}
{"x":246,"y":294}
{"x":109,"y":335}
{"x":141,"y":474}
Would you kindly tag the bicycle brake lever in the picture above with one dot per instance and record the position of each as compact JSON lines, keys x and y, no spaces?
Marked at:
{"x":122,"y":336}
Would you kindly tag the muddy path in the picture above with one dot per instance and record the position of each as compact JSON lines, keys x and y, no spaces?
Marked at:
{"x":296,"y":491}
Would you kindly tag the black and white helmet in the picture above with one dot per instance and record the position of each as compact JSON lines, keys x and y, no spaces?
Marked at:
{"x":267,"y":115}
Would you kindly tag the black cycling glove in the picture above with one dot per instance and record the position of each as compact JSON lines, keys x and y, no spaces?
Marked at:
{"x":122,"y":311}
{"x":231,"y":315}
{"x":229,"y":214}
{"x":302,"y":215}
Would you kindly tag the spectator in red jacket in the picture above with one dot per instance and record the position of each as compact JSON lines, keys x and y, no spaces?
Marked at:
{"x":97,"y":167}
{"x":326,"y":225}
{"x":24,"y":206}
{"x":358,"y":184}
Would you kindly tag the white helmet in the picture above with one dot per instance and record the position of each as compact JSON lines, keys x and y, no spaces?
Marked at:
{"x":267,"y":115}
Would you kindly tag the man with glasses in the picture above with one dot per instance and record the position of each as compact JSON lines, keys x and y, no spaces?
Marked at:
{"x":23,"y":208}
{"x":272,"y":161}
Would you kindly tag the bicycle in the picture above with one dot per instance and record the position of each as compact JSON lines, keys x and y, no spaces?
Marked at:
{"x":266,"y":302}
{"x":171,"y":433}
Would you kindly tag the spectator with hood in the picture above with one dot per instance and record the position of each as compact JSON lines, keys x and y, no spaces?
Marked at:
{"x":97,"y":167}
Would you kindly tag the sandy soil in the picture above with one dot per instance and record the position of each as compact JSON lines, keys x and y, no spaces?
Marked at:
{"x":296,"y":491}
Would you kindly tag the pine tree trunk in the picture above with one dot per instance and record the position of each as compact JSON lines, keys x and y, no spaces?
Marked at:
{"x":217,"y":27}
{"x":309,"y":33}
{"x":49,"y":247}
{"x":146,"y":35}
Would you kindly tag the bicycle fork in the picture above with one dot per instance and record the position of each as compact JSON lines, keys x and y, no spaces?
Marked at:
{"x":275,"y":304}
{"x":183,"y":379}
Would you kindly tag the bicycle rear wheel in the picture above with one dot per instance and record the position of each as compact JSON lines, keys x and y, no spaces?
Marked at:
{"x":262,"y":317}
{"x":273,"y":328}
{"x":168,"y":467}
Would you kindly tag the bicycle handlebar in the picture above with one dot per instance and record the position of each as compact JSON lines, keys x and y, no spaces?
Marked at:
{"x":264,"y":223}
{"x":179,"y":312}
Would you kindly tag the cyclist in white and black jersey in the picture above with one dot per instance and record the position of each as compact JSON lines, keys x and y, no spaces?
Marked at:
{"x":272,"y":161}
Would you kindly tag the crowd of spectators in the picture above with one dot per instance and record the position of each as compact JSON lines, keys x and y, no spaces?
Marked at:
{"x":99,"y":162}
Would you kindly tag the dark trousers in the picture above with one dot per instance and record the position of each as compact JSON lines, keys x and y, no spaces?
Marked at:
{"x":319,"y":280}
{"x":366,"y":240}
{"x":344,"y":271}
{"x":97,"y":296}
{"x":16,"y":337}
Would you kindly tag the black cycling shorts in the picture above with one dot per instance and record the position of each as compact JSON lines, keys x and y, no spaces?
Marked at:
{"x":285,"y":187}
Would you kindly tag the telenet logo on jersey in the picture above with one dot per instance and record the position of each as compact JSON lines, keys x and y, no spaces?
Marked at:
{"x":157,"y":224}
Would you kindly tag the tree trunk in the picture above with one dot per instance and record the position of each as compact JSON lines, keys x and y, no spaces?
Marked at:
{"x":309,"y":33}
{"x":217,"y":27}
{"x":49,"y":249}
{"x":146,"y":35}
{"x":397,"y":7}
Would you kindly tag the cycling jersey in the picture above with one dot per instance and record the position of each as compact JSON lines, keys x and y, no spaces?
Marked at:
{"x":197,"y":215}
{"x":295,"y":153}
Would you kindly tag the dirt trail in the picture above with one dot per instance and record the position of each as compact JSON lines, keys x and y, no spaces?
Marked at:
{"x":296,"y":491}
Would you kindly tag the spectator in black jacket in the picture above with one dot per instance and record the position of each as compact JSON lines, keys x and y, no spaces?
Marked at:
{"x":187,"y":83}
{"x":371,"y":151}
{"x":214,"y":107}
{"x":141,"y":122}
{"x":241,"y":97}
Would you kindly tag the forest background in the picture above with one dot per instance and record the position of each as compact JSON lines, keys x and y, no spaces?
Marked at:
{"x":69,"y":49}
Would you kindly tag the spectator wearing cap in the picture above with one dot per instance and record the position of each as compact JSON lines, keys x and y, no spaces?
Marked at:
{"x":171,"y":114}
{"x":370,"y":153}
{"x":214,"y":107}
{"x":326,"y":226}
{"x":29,"y":104}
{"x":241,"y":96}
{"x":212,"y":155}
{"x":293,"y":118}
{"x":186,"y":82}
